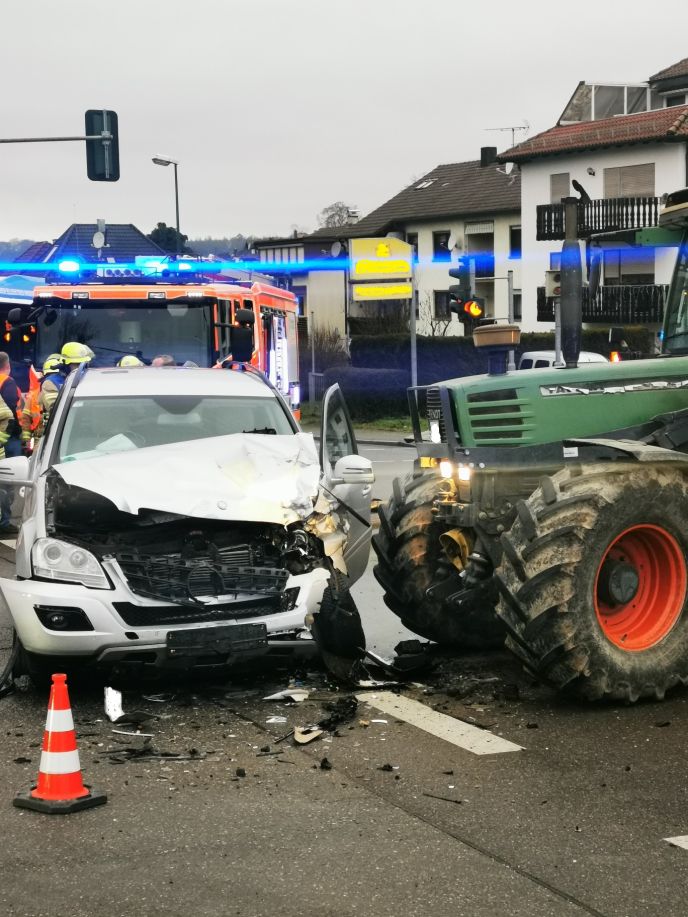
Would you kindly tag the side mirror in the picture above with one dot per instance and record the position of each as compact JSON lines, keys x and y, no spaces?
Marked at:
{"x":241,"y":343}
{"x":50,"y":317}
{"x":14,"y":472}
{"x":16,"y":316}
{"x":353,"y":469}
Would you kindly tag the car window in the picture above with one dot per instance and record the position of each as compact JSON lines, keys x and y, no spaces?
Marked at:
{"x":526,"y":364}
{"x":539,"y":364}
{"x":99,"y":426}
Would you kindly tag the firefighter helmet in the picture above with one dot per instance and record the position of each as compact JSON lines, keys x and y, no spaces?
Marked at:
{"x":74,"y":352}
{"x":130,"y":360}
{"x":53,"y":363}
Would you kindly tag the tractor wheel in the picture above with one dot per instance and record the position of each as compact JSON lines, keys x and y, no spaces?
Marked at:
{"x":594,"y":581}
{"x":411,"y":560}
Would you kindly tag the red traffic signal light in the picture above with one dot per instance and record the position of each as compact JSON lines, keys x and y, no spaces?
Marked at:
{"x":473,"y":308}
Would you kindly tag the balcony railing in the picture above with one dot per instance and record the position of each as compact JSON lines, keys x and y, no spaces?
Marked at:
{"x":609,"y":215}
{"x":632,"y":304}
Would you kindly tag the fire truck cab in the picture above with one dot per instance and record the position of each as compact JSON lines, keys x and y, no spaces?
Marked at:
{"x":119,"y":311}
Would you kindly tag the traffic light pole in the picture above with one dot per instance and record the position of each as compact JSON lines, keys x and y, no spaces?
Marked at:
{"x":412,"y":326}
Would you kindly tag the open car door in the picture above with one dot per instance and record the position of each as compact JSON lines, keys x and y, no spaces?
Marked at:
{"x":347,"y":475}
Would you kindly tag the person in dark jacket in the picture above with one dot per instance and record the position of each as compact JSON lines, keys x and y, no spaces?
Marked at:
{"x":10,"y":394}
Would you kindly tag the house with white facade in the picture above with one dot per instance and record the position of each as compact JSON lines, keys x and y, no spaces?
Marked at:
{"x":459,"y":208}
{"x":619,"y":148}
{"x":456,"y":209}
{"x":315,"y":275}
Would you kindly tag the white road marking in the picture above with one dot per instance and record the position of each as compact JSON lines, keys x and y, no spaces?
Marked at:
{"x":471,"y":738}
{"x":681,"y":841}
{"x":9,"y":542}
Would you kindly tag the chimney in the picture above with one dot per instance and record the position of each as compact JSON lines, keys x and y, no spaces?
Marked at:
{"x":488,"y":155}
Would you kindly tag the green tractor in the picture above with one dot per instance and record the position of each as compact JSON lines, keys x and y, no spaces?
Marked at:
{"x":550,"y":507}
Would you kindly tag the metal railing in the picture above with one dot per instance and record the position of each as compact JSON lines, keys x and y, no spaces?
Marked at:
{"x":630,"y":304}
{"x":608,"y":215}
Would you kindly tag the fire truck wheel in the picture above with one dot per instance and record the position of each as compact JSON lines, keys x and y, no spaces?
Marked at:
{"x":594,"y":581}
{"x":411,"y":560}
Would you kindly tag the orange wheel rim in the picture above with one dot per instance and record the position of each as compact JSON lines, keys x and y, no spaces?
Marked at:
{"x":640,"y":587}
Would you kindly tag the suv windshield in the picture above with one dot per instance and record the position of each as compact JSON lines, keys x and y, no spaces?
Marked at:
{"x":101,"y":426}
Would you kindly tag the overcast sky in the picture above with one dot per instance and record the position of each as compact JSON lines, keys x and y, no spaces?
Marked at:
{"x":276,"y":108}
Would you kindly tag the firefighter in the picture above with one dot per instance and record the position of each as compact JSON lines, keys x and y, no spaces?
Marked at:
{"x":74,"y":354}
{"x":164,"y":359}
{"x":47,"y":396}
{"x":130,"y":360}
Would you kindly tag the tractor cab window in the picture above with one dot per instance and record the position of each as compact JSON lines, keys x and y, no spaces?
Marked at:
{"x":676,"y":319}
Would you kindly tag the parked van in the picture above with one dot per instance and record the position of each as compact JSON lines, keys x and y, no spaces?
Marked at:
{"x":539,"y":359}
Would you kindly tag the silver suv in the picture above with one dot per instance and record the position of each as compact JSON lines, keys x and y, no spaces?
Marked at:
{"x":178,"y":517}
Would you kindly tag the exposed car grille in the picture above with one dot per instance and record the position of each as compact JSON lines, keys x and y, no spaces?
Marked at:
{"x":141,"y":615}
{"x":499,"y":417}
{"x":433,"y":410}
{"x":216,"y":572}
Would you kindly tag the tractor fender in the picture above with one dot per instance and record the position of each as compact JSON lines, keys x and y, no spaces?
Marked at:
{"x":593,"y":449}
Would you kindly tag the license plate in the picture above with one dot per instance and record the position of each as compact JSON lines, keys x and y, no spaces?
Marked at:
{"x":223,"y":641}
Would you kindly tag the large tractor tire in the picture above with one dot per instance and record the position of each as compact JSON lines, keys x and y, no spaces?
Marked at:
{"x":594,"y":580}
{"x":411,"y":560}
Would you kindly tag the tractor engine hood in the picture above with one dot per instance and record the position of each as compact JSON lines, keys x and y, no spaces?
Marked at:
{"x":244,"y":477}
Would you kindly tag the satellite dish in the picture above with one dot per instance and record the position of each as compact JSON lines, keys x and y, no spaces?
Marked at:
{"x":336,"y":249}
{"x":453,"y":242}
{"x":98,"y":239}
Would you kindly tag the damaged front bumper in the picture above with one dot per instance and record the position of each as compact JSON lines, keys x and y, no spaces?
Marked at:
{"x":114,"y":626}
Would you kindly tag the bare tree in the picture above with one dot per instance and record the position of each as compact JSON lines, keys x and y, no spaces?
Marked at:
{"x":337,"y":214}
{"x":437,"y":326}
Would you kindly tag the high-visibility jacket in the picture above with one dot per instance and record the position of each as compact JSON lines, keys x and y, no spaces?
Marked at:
{"x":50,"y":389}
{"x":6,"y":416}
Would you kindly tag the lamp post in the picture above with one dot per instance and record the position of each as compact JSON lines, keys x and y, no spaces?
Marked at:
{"x":164,"y":161}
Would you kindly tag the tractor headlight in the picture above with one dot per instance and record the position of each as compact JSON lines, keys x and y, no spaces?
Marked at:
{"x":446,"y":468}
{"x":67,"y":563}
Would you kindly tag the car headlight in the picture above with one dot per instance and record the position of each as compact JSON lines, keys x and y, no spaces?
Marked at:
{"x":67,"y":563}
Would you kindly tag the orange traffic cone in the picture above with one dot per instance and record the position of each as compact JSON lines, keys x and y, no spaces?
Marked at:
{"x":60,"y":789}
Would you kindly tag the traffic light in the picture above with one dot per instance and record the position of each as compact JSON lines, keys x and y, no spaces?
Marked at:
{"x":468,"y":307}
{"x":462,"y":273}
{"x":102,"y":153}
{"x":552,"y":283}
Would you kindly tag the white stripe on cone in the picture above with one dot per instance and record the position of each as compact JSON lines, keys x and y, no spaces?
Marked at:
{"x":59,"y":762}
{"x":59,"y":721}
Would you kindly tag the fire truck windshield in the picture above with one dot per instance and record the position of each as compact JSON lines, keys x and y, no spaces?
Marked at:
{"x":144,"y":328}
{"x":676,"y":318}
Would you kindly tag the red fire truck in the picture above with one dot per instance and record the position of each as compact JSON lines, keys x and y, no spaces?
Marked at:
{"x":118,"y":311}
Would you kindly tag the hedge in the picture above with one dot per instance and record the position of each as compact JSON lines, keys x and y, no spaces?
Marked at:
{"x":375,"y":384}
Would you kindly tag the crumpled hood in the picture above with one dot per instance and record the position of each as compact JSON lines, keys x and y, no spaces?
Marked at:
{"x":243,"y":477}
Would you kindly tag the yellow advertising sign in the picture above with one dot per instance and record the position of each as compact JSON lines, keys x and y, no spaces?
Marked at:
{"x":380,"y":259}
{"x":361,"y":292}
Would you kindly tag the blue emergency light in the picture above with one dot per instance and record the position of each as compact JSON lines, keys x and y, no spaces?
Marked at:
{"x":69,"y":266}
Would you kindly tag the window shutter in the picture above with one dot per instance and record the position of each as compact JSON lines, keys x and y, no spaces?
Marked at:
{"x":559,"y":186}
{"x":638,"y":181}
{"x":630,"y":181}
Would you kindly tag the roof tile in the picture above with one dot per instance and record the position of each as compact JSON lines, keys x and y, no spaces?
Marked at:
{"x":662,"y":125}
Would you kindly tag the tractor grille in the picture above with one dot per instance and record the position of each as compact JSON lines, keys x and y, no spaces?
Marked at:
{"x":500,"y":417}
{"x":215,"y":573}
{"x":433,"y":410}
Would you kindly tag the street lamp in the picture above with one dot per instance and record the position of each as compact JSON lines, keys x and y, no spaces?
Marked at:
{"x":164,"y":161}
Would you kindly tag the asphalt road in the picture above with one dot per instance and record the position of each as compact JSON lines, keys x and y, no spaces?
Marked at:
{"x":404,"y":822}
